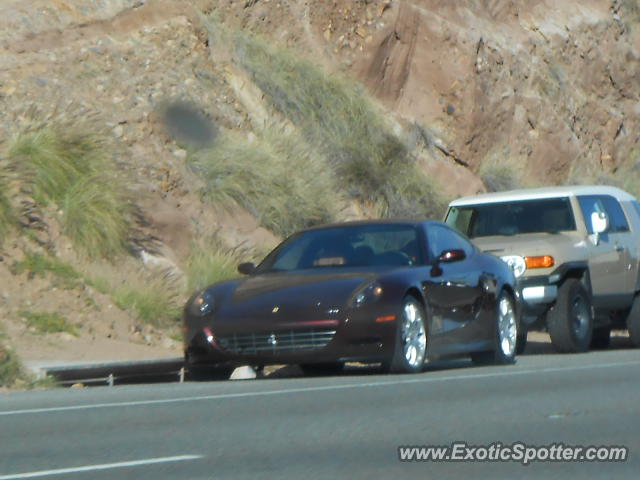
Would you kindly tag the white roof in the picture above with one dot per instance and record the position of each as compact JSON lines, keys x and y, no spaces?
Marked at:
{"x":546,"y":192}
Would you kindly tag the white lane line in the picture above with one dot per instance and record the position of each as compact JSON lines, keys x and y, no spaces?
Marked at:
{"x":104,"y":466}
{"x":224,"y":396}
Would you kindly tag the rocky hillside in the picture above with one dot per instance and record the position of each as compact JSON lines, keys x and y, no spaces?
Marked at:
{"x":227,"y":124}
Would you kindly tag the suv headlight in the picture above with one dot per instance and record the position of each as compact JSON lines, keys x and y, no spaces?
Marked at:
{"x":202,"y":304}
{"x":516,"y":264}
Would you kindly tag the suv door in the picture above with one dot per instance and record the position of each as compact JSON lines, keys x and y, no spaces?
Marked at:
{"x":624,"y":244}
{"x":609,"y":261}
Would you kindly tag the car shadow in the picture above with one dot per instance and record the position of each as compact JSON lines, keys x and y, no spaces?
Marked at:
{"x":539,"y":343}
{"x":358,"y":369}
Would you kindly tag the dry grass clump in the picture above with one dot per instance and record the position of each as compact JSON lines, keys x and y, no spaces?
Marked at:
{"x":69,"y":163}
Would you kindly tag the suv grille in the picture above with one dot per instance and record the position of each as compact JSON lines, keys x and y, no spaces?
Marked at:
{"x":276,"y":342}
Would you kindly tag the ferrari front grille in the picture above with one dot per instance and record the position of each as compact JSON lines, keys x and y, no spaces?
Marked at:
{"x":276,"y":341}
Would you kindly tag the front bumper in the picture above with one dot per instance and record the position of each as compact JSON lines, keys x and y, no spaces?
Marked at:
{"x":538,"y":294}
{"x":357,"y":338}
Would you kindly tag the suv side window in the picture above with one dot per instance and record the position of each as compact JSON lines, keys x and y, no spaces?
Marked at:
{"x":607,"y":204}
{"x":617,"y":220}
{"x":441,"y":239}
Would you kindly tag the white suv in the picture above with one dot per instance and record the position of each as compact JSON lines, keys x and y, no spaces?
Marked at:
{"x":575,"y":251}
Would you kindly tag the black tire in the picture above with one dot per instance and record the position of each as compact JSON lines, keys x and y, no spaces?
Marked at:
{"x":570,"y":321}
{"x":498,"y":356}
{"x":601,"y":338}
{"x":399,"y":363}
{"x":321,"y":369}
{"x":633,"y":322}
{"x":207,"y":373}
{"x":521,"y":342}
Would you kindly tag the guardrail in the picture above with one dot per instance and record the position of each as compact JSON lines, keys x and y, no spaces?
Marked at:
{"x":96,"y":373}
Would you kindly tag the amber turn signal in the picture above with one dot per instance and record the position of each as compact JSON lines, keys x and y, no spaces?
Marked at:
{"x":545,"y":261}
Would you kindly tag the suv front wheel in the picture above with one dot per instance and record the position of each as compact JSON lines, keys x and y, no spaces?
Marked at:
{"x":570,"y":322}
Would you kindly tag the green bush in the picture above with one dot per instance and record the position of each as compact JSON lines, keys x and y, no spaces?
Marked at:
{"x":275,"y":177}
{"x":74,"y":170}
{"x":500,"y":173}
{"x":95,"y":217}
{"x":35,"y":264}
{"x":7,"y":215}
{"x":336,"y":118}
{"x":152,"y":300}
{"x":6,"y":212}
{"x":10,"y":367}
{"x":48,"y":322}
{"x":209,"y":263}
{"x":338,"y":123}
{"x":499,"y":178}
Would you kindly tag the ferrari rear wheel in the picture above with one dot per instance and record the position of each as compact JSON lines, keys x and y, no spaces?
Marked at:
{"x":506,"y":335}
{"x":411,"y":338}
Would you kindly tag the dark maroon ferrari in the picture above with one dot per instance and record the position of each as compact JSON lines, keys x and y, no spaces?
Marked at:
{"x":395,"y":292}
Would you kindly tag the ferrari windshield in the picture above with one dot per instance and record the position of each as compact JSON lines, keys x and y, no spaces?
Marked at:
{"x":513,"y":218}
{"x":347,"y":246}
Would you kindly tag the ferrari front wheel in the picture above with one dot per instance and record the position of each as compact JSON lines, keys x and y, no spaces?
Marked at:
{"x":410,"y":348}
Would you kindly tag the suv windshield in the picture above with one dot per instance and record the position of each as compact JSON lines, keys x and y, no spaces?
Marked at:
{"x":513,"y":218}
{"x":349,"y":246}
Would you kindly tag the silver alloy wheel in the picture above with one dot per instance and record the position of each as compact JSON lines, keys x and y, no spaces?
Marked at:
{"x":579,"y":317}
{"x":414,"y":336}
{"x":507,"y":328}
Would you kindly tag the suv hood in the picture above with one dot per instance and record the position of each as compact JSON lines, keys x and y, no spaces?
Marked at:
{"x":532,"y":244}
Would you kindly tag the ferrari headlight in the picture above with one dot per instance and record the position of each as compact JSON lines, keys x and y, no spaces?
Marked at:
{"x":202,"y":304}
{"x":368,"y":294}
{"x":516,"y":264}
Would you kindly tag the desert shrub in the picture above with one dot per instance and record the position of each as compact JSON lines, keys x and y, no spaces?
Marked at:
{"x":337,"y":121}
{"x":70,"y":166}
{"x":48,"y":322}
{"x":6,"y":212}
{"x":626,"y":176}
{"x":333,"y":115}
{"x":95,"y":217}
{"x":275,"y":177}
{"x":500,"y":174}
{"x":410,"y":194}
{"x":210,"y":262}
{"x":10,"y":367}
{"x":36,"y":264}
{"x":152,"y":306}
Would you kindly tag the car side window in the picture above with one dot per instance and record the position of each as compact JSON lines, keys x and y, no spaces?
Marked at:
{"x":590,"y":204}
{"x":617,"y":220}
{"x":441,"y":239}
{"x":607,"y":204}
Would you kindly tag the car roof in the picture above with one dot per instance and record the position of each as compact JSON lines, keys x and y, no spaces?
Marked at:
{"x":384,"y":221}
{"x":540,"y":193}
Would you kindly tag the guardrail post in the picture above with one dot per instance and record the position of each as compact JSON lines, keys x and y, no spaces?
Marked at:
{"x":110,"y":380}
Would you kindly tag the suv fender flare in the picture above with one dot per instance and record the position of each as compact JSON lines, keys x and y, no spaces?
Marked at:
{"x":578,"y":270}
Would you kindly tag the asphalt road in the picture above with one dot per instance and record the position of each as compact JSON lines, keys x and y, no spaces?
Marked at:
{"x":347,"y":426}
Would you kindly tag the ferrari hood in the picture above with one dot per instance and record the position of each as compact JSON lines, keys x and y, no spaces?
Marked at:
{"x":312,"y":294}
